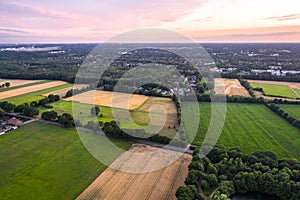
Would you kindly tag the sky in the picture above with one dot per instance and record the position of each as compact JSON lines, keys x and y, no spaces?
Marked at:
{"x":72,"y":21}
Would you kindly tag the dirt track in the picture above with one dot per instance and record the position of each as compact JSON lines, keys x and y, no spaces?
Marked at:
{"x":231,"y":87}
{"x":110,"y":99}
{"x":160,"y":184}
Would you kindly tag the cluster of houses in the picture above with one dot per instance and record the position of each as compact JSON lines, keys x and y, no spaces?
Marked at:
{"x":8,"y":124}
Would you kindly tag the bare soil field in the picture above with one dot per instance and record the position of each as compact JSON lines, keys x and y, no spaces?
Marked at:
{"x":29,"y":89}
{"x":110,"y":99}
{"x":63,"y":92}
{"x":292,"y":85}
{"x":18,"y":82}
{"x":166,"y":105}
{"x":160,"y":184}
{"x":232,"y":87}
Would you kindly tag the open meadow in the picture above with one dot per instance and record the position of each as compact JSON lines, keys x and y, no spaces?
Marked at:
{"x":105,"y":98}
{"x":231,"y":87}
{"x":277,"y":89}
{"x":251,"y":127}
{"x":161,"y":184}
{"x":40,"y":161}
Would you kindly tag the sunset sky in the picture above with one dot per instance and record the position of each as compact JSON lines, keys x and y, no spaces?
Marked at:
{"x":40,"y":21}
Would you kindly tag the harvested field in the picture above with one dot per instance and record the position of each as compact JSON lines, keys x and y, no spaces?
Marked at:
{"x":161,"y":184}
{"x":18,"y":82}
{"x":104,"y":98}
{"x":63,"y":92}
{"x":232,"y":87}
{"x":29,"y":89}
{"x":166,"y":105}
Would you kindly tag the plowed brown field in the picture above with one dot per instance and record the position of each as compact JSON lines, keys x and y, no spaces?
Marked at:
{"x":231,"y":87}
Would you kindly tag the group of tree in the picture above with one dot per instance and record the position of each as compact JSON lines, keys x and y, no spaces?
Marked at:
{"x":223,"y":173}
{"x":24,"y":109}
{"x":46,"y":100}
{"x":65,"y":119}
{"x":5,"y":85}
{"x":295,"y":122}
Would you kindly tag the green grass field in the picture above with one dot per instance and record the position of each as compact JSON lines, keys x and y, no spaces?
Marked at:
{"x":277,"y":90}
{"x":251,"y":127}
{"x":40,"y":161}
{"x":292,"y":110}
{"x":34,"y":96}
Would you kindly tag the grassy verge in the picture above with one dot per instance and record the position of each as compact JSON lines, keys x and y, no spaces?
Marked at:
{"x":292,"y":110}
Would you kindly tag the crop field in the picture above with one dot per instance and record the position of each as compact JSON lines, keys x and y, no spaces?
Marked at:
{"x":251,"y":127}
{"x":34,"y":96}
{"x":18,"y":82}
{"x":105,"y":98}
{"x":40,"y":161}
{"x":292,"y":110}
{"x":160,"y":184}
{"x":278,"y":89}
{"x":231,"y":87}
{"x":30,"y":89}
{"x":63,"y":92}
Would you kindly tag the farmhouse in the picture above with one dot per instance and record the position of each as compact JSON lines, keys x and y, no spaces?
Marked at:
{"x":15,"y":122}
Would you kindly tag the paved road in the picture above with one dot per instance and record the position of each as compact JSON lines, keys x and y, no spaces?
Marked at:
{"x":174,"y":148}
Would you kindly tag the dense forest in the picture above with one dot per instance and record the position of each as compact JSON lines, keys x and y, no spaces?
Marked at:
{"x":63,"y":61}
{"x":223,"y":173}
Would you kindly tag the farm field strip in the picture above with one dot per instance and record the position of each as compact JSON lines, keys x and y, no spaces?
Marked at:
{"x":231,"y":87}
{"x":34,"y":96}
{"x":62,"y":92}
{"x":26,"y":85}
{"x":277,"y":89}
{"x":252,"y":127}
{"x":159,"y":184}
{"x":104,"y":98}
{"x":18,"y":82}
{"x":294,"y":85}
{"x":30,"y":89}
